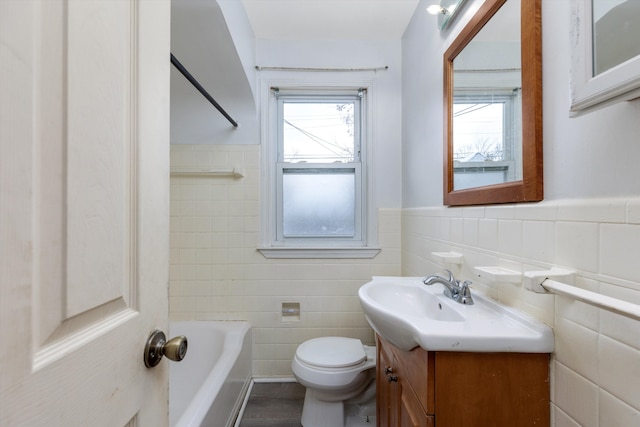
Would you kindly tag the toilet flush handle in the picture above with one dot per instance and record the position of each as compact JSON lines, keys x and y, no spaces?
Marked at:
{"x":158,"y":346}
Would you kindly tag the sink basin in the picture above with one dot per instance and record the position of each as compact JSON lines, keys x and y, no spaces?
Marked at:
{"x":409,"y":314}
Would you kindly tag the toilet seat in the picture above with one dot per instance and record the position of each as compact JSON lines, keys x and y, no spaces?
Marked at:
{"x":331,"y":352}
{"x":332,"y":363}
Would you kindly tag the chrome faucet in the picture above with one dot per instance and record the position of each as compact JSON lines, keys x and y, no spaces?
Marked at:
{"x":452,"y":288}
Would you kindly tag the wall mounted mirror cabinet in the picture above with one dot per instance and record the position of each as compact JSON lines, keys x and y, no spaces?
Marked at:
{"x":606,"y":53}
{"x":493,"y":107}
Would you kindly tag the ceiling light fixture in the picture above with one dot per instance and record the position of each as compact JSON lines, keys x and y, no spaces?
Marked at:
{"x":436,"y":9}
{"x":445,"y":11}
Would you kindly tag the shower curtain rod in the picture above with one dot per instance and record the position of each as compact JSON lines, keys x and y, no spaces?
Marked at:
{"x":202,"y":90}
{"x":259,"y":68}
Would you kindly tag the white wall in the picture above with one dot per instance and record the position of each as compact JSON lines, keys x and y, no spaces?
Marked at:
{"x":242,"y":35}
{"x":214,"y":42}
{"x":588,"y":222}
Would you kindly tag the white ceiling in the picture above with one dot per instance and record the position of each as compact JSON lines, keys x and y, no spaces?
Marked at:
{"x":330,"y":19}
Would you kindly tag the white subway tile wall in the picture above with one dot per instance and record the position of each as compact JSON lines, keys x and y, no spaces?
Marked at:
{"x":217,"y":273}
{"x":595,"y":370}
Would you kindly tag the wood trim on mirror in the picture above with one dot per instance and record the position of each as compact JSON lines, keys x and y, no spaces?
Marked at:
{"x":530,"y":188}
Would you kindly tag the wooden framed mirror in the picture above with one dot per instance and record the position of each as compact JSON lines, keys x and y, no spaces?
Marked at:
{"x":493,"y":107}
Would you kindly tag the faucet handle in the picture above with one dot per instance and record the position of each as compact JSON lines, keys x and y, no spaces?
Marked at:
{"x":464,"y":294}
{"x":451,"y":279}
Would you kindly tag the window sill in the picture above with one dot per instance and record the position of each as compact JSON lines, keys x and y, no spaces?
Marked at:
{"x":326,"y":253}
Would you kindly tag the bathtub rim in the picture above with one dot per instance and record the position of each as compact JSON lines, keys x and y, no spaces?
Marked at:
{"x":197,"y":409}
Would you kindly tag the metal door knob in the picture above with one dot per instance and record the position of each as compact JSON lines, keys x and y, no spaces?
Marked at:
{"x":158,"y":346}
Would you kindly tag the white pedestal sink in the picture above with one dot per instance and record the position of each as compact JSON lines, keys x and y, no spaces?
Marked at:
{"x":408,"y":314}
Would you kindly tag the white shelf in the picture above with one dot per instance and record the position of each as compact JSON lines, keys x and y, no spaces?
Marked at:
{"x":448,"y":257}
{"x":498,"y":274}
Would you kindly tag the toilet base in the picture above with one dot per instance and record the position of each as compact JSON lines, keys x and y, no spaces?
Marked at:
{"x":319,"y":413}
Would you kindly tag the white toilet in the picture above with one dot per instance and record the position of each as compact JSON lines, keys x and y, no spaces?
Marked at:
{"x":336,"y":371}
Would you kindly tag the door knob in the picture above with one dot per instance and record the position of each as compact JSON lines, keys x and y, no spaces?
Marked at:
{"x":158,"y":346}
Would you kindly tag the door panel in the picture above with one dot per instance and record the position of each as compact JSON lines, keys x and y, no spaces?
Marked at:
{"x":99,"y":148}
{"x":88,"y":270}
{"x":83,"y":211}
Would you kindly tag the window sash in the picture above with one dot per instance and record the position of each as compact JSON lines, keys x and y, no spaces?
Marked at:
{"x":354,"y":98}
{"x":354,"y":169}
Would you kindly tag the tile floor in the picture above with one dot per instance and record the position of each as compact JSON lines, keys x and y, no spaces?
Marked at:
{"x":277,"y":404}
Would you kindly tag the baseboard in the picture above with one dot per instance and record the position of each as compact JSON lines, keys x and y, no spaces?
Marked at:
{"x":274,"y":379}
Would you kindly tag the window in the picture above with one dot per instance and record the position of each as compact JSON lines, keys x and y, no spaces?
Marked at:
{"x":318,"y":180}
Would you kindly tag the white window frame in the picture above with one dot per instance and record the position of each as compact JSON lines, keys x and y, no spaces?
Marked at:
{"x":273,"y":244}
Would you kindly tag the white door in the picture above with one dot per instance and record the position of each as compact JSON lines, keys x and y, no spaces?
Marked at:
{"x":84,"y":210}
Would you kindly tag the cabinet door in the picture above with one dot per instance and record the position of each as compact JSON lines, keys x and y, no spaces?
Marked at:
{"x":387,"y":391}
{"x":400,"y":403}
{"x":418,"y":367}
{"x":410,"y":412}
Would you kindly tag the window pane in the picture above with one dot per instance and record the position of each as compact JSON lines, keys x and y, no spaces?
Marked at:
{"x":478,"y":131}
{"x":318,"y":132}
{"x":318,"y":202}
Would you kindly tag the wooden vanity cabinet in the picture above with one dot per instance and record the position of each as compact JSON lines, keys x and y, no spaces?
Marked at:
{"x":420,"y":388}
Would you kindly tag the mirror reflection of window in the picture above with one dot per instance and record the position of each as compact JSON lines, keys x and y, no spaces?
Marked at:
{"x":479,"y":128}
{"x":616,"y":33}
{"x":485,"y":133}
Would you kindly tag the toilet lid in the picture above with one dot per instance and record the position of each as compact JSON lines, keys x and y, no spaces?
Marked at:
{"x":332,"y":352}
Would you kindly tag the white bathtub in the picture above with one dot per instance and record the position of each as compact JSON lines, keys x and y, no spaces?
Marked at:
{"x":207,"y":388}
